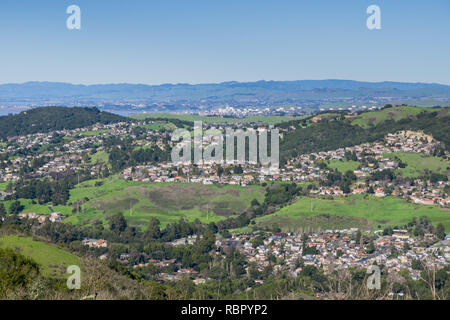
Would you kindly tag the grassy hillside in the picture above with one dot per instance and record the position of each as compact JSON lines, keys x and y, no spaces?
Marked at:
{"x":354,"y":211}
{"x":99,"y":156}
{"x":344,"y":165}
{"x":166,"y":201}
{"x":159,"y":126}
{"x":53,"y":260}
{"x":418,"y":163}
{"x":94,"y":133}
{"x":42,"y":209}
{"x":369,"y":119}
{"x":3,"y":186}
{"x":19,"y":281}
{"x":140,"y":200}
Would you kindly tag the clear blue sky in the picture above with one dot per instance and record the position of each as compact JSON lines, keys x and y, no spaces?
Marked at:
{"x":196,"y":41}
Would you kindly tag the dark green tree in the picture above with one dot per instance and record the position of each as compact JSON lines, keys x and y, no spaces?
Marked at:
{"x":370,"y":248}
{"x":153,"y":230}
{"x":15,"y":207}
{"x":117,"y":223}
{"x":440,"y":231}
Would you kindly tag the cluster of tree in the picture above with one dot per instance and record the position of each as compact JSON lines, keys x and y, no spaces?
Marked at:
{"x":383,"y":175}
{"x":418,"y":227}
{"x":44,"y":191}
{"x":401,"y":163}
{"x":336,"y":178}
{"x":350,"y":156}
{"x":435,"y":177}
{"x":447,"y":189}
{"x":281,"y":194}
{"x":127,"y":156}
{"x":15,"y":208}
{"x":234,"y":222}
{"x":422,"y":225}
{"x":16,"y":271}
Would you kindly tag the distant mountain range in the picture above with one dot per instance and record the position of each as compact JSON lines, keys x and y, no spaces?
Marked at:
{"x":260,"y":93}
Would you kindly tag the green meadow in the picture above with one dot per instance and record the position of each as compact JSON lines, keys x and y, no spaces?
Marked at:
{"x":52,"y":259}
{"x":353,"y":211}
{"x":166,"y":201}
{"x":89,"y":133}
{"x":3,"y":186}
{"x":42,"y":209}
{"x":159,"y":126}
{"x":344,"y":165}
{"x":417,"y":163}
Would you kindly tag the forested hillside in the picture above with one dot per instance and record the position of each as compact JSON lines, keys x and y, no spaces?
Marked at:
{"x":338,"y":132}
{"x":53,"y":118}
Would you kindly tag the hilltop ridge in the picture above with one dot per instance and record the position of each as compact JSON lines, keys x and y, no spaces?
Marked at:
{"x":47,"y":119}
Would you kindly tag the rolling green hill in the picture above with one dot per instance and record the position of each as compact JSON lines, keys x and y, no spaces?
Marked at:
{"x":353,"y":211}
{"x":52,"y":259}
{"x":344,"y":165}
{"x":166,"y":201}
{"x":373,"y":118}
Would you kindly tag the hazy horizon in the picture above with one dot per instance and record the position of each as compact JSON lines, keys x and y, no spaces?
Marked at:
{"x":212,"y":42}
{"x":221,"y":82}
